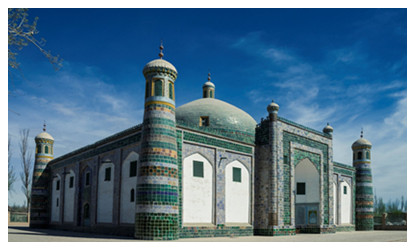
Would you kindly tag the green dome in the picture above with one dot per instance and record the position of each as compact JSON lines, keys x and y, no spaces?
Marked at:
{"x":221,"y":115}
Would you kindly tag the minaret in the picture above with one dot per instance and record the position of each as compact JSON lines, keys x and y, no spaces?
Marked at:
{"x":157,"y":207}
{"x":364,"y":188}
{"x":209,"y":89}
{"x":39,"y":205}
{"x":273,"y":174}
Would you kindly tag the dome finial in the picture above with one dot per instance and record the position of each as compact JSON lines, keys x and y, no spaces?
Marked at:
{"x":209,"y":76}
{"x":161,"y":49}
{"x":44,"y":125}
{"x":361,"y":133}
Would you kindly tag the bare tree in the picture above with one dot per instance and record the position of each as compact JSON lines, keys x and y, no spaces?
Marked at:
{"x":12,"y":176}
{"x":21,"y":32}
{"x":26,"y":175}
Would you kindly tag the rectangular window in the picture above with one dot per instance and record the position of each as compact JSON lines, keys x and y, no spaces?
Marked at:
{"x":133,"y":168}
{"x":132,"y":195}
{"x":236,"y":175}
{"x":204,"y":121}
{"x":301,"y":188}
{"x":344,"y":190}
{"x":71,"y":180}
{"x":198,"y":169}
{"x":286,"y":159}
{"x":107,"y":174}
{"x":158,"y":88}
{"x":58,"y":185}
{"x":87,"y":179}
{"x":57,"y":202}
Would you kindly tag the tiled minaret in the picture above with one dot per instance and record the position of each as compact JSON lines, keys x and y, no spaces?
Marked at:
{"x":273,"y":130}
{"x":364,"y":188}
{"x":157,"y":184}
{"x":39,"y":205}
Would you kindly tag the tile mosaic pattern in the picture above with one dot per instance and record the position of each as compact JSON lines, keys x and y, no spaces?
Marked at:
{"x":294,"y":143}
{"x":39,"y":203}
{"x":364,"y":196}
{"x":215,"y":151}
{"x":157,"y":203}
{"x":208,"y":140}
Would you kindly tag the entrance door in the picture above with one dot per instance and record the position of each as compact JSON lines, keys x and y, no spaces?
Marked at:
{"x":306,"y":214}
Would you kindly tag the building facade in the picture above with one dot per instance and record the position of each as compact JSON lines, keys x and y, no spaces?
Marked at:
{"x":204,"y":169}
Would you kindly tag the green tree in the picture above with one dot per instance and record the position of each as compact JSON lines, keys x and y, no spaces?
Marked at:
{"x":21,"y":33}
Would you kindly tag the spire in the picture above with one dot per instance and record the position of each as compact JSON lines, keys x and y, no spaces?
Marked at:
{"x":361,"y":133}
{"x":161,"y":50}
{"x":209,"y":76}
{"x":44,"y":126}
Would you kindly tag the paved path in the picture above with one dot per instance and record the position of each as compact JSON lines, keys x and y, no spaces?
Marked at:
{"x":25,"y":234}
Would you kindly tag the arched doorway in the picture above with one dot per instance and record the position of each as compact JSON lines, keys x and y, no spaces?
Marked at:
{"x":307,"y":194}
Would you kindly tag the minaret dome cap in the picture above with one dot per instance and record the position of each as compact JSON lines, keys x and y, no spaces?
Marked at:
{"x":44,"y":135}
{"x":328,"y":129}
{"x":361,"y":142}
{"x":209,"y":83}
{"x":273,"y":107}
{"x":159,"y":63}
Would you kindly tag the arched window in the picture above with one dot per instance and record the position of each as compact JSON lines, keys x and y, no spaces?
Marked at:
{"x":39,"y":149}
{"x":46,"y":150}
{"x":211,"y":94}
{"x":368,"y":155}
{"x":171,"y":91}
{"x":158,"y":88}
{"x":148,"y":89}
{"x":359,"y":155}
{"x":132,"y":196}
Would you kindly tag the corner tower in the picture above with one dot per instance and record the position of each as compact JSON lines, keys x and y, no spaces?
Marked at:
{"x":364,"y":188}
{"x":273,"y":174}
{"x":157,"y":184}
{"x":39,"y":205}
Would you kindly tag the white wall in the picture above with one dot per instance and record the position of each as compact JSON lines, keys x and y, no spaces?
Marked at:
{"x":69,"y":198}
{"x":105,"y":194}
{"x":237,"y":195}
{"x":335,"y":203}
{"x":305,"y":171}
{"x":346,"y":204}
{"x":55,"y":210}
{"x":127,"y":208}
{"x":197,"y":191}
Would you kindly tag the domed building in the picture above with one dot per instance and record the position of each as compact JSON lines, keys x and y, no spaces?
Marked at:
{"x":204,"y":169}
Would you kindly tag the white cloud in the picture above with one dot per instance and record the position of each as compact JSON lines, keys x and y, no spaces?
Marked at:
{"x":79,"y":109}
{"x":312,"y":94}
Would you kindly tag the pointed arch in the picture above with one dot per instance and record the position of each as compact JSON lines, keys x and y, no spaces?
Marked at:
{"x":346,"y":202}
{"x":56,"y":198}
{"x":307,"y":175}
{"x":198,"y":184}
{"x":237,"y":192}
{"x":105,"y":192}
{"x":129,"y":171}
{"x":69,"y":196}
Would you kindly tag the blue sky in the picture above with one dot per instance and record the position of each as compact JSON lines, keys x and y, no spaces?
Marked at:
{"x":343,"y":66}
